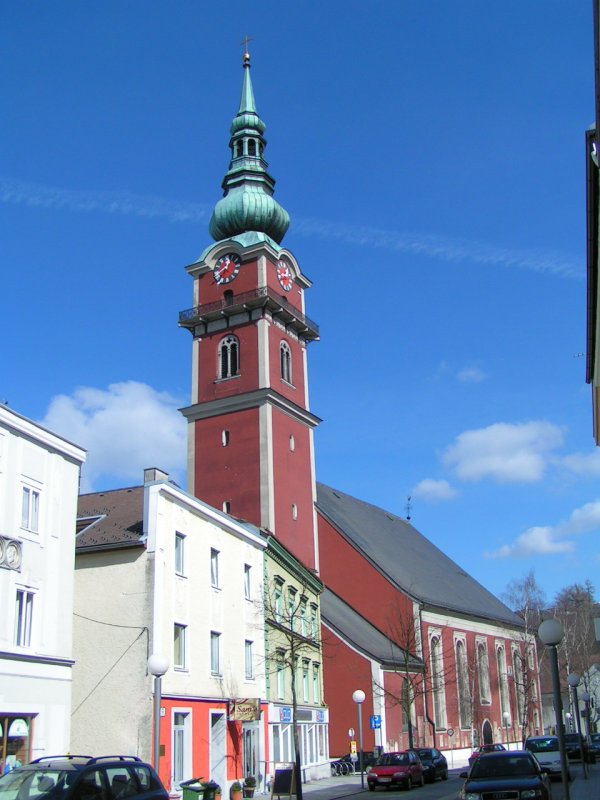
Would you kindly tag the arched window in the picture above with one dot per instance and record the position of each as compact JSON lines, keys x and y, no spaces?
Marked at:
{"x":503,"y":682}
{"x":485,"y":694}
{"x":285,"y":358}
{"x":251,"y":147}
{"x":228,"y":297}
{"x":238,"y":149}
{"x":437,"y":683}
{"x":464,"y":695}
{"x":229,"y":357}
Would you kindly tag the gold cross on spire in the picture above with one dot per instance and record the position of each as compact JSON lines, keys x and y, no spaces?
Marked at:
{"x":244,"y":42}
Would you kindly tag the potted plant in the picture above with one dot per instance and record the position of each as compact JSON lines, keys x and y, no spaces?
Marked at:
{"x":249,"y":785}
{"x":235,"y":791}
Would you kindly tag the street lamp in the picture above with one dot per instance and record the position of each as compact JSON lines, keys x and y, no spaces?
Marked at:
{"x":574,"y":680}
{"x":359,"y":698}
{"x":506,"y":720}
{"x":157,"y":666}
{"x":551,"y":633}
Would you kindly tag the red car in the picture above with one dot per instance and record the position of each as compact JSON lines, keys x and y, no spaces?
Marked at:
{"x":396,"y":769}
{"x":485,"y":748}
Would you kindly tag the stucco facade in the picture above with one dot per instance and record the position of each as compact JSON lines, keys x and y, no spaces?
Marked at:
{"x":39,"y":481}
{"x":185,"y":581}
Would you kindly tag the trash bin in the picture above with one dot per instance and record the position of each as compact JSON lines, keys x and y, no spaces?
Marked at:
{"x":197,"y":789}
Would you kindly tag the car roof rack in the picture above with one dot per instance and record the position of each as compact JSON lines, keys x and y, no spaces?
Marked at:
{"x":67,"y":757}
{"x":114,"y":758}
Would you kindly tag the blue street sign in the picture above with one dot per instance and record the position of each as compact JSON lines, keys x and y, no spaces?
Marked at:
{"x":375,"y":721}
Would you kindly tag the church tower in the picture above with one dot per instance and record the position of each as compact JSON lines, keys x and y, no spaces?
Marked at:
{"x":250,"y":429}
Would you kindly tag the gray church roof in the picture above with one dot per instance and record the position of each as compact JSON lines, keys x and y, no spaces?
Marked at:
{"x":409,"y":560}
{"x":345,"y":621}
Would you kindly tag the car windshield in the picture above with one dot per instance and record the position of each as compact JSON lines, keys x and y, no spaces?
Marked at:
{"x":501,"y":766}
{"x":425,"y":754}
{"x":393,"y":760}
{"x":31,"y":784}
{"x":572,"y":737}
{"x":543,"y":745}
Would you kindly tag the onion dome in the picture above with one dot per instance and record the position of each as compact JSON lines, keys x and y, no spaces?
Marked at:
{"x":248,"y":204}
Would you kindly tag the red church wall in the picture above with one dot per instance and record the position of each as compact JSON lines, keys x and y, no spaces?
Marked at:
{"x":339,"y":684}
{"x":295,"y":392}
{"x":292,"y":471}
{"x":233,"y":472}
{"x":351,"y":576}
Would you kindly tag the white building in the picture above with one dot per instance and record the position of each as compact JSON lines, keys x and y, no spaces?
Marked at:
{"x":39,"y":482}
{"x":158,"y":571}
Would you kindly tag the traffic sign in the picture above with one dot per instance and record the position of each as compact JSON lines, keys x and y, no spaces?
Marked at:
{"x":450,"y":731}
{"x":375,"y":721}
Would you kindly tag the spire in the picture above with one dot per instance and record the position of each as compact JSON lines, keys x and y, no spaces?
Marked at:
{"x":248,"y":204}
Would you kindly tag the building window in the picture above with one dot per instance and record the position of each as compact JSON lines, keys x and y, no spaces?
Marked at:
{"x":227,"y":506}
{"x":285,"y":357}
{"x":229,"y":357}
{"x":437,"y":683}
{"x":179,"y":553}
{"x":278,"y":602}
{"x":182,"y":746}
{"x":23,"y":618}
{"x":520,"y":672}
{"x":305,"y":665}
{"x":314,"y":627}
{"x":292,"y":442}
{"x":485,"y":692}
{"x":303,"y":618}
{"x":225,"y":438}
{"x":280,"y":677}
{"x":292,"y":608}
{"x":214,"y":568}
{"x":251,"y":147}
{"x":249,"y":660}
{"x":316,"y":684}
{"x":215,"y":653}
{"x":247,"y":581}
{"x":294,"y":511}
{"x":30,"y":509}
{"x":464,"y":695}
{"x":503,"y":683}
{"x":179,"y":646}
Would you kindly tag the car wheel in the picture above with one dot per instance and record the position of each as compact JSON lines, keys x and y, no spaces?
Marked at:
{"x":422,"y":780}
{"x":445,"y":775}
{"x":371,"y":787}
{"x":409,"y":784}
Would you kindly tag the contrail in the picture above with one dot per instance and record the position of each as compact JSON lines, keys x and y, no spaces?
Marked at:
{"x":437,"y":247}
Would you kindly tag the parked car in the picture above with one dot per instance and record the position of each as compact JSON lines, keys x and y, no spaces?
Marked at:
{"x":345,"y":765}
{"x":572,"y":747}
{"x":485,"y":748}
{"x":547,"y":753}
{"x":396,"y":769}
{"x":595,"y":744}
{"x":514,"y":773}
{"x":83,"y":778}
{"x":434,"y":763}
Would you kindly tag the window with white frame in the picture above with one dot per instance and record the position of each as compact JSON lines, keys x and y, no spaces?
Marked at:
{"x":437,"y":682}
{"x":182,"y":746}
{"x":305,"y":687}
{"x":278,"y":601}
{"x":30,"y":509}
{"x":292,"y":608}
{"x":229,"y":357}
{"x":303,"y":618}
{"x":249,"y":659}
{"x":280,"y":676}
{"x":483,"y":669}
{"x":285,"y":356}
{"x":179,"y":646}
{"x":215,"y":653}
{"x":314,"y":625}
{"x":179,"y":553}
{"x":214,"y":568}
{"x":23,"y":618}
{"x":316,"y":684}
{"x":503,"y":682}
{"x":464,"y":694}
{"x":519,"y":672}
{"x":247,"y":581}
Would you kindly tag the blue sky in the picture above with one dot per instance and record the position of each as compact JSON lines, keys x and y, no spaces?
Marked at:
{"x":431,"y":157}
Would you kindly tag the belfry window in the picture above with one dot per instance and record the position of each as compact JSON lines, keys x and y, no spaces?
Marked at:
{"x":229,"y":357}
{"x":285,"y":357}
{"x":238,"y":149}
{"x":251,"y":147}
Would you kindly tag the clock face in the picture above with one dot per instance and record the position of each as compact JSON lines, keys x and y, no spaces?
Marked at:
{"x":284,"y":276}
{"x":226,"y":268}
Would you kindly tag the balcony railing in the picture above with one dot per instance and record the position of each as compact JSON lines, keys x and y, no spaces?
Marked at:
{"x":257,"y":298}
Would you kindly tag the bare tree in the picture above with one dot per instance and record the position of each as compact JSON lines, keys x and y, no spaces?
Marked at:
{"x":575,"y":607}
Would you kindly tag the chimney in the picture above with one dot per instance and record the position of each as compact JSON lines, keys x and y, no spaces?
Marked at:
{"x":154,"y":474}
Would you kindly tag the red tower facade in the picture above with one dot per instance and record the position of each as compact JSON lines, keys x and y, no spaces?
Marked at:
{"x":250,"y":432}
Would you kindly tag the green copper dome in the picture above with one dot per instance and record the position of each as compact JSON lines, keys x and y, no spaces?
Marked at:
{"x":248,"y":204}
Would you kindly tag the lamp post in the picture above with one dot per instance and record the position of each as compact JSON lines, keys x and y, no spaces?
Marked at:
{"x":157,"y":666}
{"x":585,"y":696}
{"x":505,"y":720}
{"x":574,"y":680}
{"x":359,"y":698}
{"x":551,"y":633}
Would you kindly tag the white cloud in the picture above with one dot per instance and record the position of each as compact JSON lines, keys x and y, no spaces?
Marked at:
{"x":551,"y":539}
{"x":586,"y":464}
{"x":430,"y":489}
{"x":125,"y":428}
{"x":504,"y":452}
{"x":471,"y":375}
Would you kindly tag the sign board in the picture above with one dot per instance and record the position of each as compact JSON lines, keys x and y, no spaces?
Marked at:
{"x":353,"y":746}
{"x":285,"y":714}
{"x":351,"y":733}
{"x":375,"y":720}
{"x":244,"y":709}
{"x":450,"y":731}
{"x":284,"y":782}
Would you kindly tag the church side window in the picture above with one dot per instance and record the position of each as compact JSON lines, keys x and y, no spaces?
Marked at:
{"x":503,"y":681}
{"x":485,"y":694}
{"x":229,"y":357}
{"x":464,"y":695}
{"x":437,"y":682}
{"x":285,"y":356}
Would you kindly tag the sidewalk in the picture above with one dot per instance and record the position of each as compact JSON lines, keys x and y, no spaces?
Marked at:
{"x":580,"y":788}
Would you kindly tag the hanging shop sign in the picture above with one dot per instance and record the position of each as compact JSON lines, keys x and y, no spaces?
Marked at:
{"x":244,"y":709}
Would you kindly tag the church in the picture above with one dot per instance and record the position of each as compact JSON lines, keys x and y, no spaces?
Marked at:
{"x":440,"y":660}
